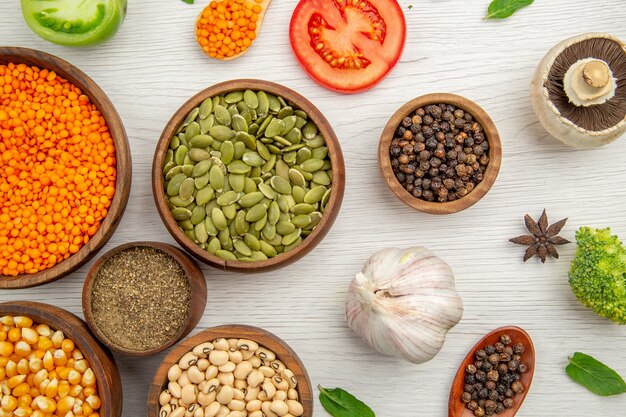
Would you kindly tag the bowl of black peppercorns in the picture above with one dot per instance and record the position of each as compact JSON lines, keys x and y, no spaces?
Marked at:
{"x":440,"y":153}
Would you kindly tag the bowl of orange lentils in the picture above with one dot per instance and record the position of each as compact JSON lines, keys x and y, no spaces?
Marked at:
{"x":65,"y":168}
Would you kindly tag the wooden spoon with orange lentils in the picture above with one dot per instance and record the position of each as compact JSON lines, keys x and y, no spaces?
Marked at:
{"x":225,"y":29}
{"x":57,"y":169}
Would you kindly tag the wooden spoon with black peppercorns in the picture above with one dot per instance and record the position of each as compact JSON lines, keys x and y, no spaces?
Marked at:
{"x":508,"y":344}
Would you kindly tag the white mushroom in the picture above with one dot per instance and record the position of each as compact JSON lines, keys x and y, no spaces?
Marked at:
{"x":589,"y":82}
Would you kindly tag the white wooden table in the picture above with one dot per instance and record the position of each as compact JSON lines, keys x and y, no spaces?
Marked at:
{"x":153,"y":65}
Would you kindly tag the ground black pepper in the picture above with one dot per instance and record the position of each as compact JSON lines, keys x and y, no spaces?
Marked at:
{"x":140,"y":298}
{"x":439,"y":153}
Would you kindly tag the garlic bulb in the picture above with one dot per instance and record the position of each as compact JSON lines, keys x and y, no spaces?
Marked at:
{"x":403,"y":302}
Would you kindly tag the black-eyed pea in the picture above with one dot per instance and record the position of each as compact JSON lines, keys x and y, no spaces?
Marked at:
{"x":279,"y":407}
{"x":288,"y":375}
{"x":267,"y":371}
{"x":242,"y":370}
{"x":221,"y":344}
{"x":174,"y":389}
{"x":224,"y":411}
{"x":278,"y":366}
{"x":199,"y":412}
{"x":226,"y":378}
{"x":232,"y":343}
{"x":165,"y":397}
{"x":238,"y":394}
{"x":265,"y":407}
{"x":191,"y":410}
{"x":203,"y":364}
{"x":247,"y":345}
{"x":280,"y":383}
{"x":178,"y":412}
{"x":235,"y":356}
{"x":269,"y":388}
{"x":203,"y":350}
{"x":184,"y":379}
{"x":237,"y":405}
{"x":263,"y":396}
{"x":246,"y":354}
{"x":195,"y":375}
{"x":188,"y":360}
{"x":292,"y":394}
{"x":165,"y":410}
{"x":280,"y":395}
{"x":225,"y":394}
{"x":265,"y":354}
{"x":252,"y":394}
{"x":227,"y":367}
{"x":255,"y":361}
{"x":241,"y":384}
{"x":174,"y":373}
{"x":219,"y":357}
{"x":211,"y":385}
{"x":211,"y":372}
{"x":253,"y":405}
{"x":235,"y":414}
{"x":295,"y":408}
{"x":188,"y":394}
{"x":205,"y":399}
{"x":255,"y":378}
{"x":257,"y":413}
{"x":212,"y":409}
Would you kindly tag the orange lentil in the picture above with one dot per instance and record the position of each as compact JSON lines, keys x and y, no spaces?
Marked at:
{"x":227,"y":28}
{"x":57,"y":170}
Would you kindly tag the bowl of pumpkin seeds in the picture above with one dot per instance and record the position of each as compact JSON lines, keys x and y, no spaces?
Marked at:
{"x":248,"y":175}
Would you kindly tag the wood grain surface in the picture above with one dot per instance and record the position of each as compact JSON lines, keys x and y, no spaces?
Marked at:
{"x":153,"y":66}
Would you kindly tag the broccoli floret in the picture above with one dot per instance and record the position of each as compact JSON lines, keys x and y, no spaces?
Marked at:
{"x":598,"y":273}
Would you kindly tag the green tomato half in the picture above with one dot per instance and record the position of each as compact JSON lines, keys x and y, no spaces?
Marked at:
{"x":74,"y":22}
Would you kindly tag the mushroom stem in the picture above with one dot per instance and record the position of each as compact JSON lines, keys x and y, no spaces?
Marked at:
{"x":589,"y":82}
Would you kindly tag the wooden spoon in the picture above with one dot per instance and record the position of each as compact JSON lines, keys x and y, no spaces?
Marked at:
{"x":456,"y":408}
{"x":264,"y":6}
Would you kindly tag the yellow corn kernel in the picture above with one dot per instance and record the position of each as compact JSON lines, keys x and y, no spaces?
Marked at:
{"x":57,"y":339}
{"x":52,"y":374}
{"x":70,"y":362}
{"x":8,"y":403}
{"x":29,"y":335}
{"x":81,"y":365}
{"x":22,"y":367}
{"x":48,"y":361}
{"x":22,"y":348}
{"x":38,"y":413}
{"x":4,"y":361}
{"x":39,"y":354}
{"x":11,"y":368}
{"x":6,"y":349}
{"x":94,"y":402}
{"x":15,"y":381}
{"x":65,"y":405}
{"x":21,"y":389}
{"x":24,"y":400}
{"x":52,"y":388}
{"x":3,"y":373}
{"x":34,"y":392}
{"x":35,"y":365}
{"x":89,"y":378}
{"x":74,"y":377}
{"x":75,"y":390}
{"x":77,"y":354}
{"x":23,"y":412}
{"x":44,"y":343}
{"x":94,"y":415}
{"x":14,"y":334}
{"x":78,"y":409}
{"x":87,"y":391}
{"x":44,"y":386}
{"x":7,"y":321}
{"x":23,"y":321}
{"x":87,"y":409}
{"x":40,"y":377}
{"x":60,"y":357}
{"x":5,"y":413}
{"x":64,"y":389}
{"x":67,"y":345}
{"x":63,"y":372}
{"x":47,"y":405}
{"x":4,"y":387}
{"x":43,"y":330}
{"x":3,"y":335}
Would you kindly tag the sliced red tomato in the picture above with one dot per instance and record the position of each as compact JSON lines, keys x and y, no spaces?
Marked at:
{"x":347,"y":45}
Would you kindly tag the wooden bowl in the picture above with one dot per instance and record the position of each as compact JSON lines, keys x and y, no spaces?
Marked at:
{"x":492,"y":136}
{"x":197,"y":284}
{"x":100,"y":359}
{"x":334,"y":152}
{"x":456,"y":408}
{"x":264,"y":338}
{"x":122,"y":186}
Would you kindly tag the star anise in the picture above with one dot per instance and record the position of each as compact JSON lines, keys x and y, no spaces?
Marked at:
{"x":543,"y":238}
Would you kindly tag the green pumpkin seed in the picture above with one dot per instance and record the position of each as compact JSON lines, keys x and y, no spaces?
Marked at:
{"x":185,"y":225}
{"x":253,"y":129}
{"x":239,"y":123}
{"x":284,"y":228}
{"x":248,"y":140}
{"x":316,"y":216}
{"x":174,"y":143}
{"x":281,"y":185}
{"x":228,"y":198}
{"x":325,"y":200}
{"x":181,"y":153}
{"x":302,"y":208}
{"x":264,"y":103}
{"x":251,"y":99}
{"x":301,"y":220}
{"x":267,"y":249}
{"x":260,"y":224}
{"x":321,"y":178}
{"x":269,"y":165}
{"x":230,"y":211}
{"x":197,"y":155}
{"x":315,"y":194}
{"x":174,"y":185}
{"x":256,"y":212}
{"x":309,"y":131}
{"x":253,"y":159}
{"x":204,"y":196}
{"x":168,"y":166}
{"x":289,"y":157}
{"x":274,"y":128}
{"x":294,"y":136}
{"x":312,"y":165}
{"x":250,"y":186}
{"x":282,"y":169}
{"x":201,"y":233}
{"x":263,"y":125}
{"x":241,"y":225}
{"x":169,"y":158}
{"x":316,"y":142}
{"x":216,"y":178}
{"x":240,"y":149}
{"x":207,"y":124}
{"x":238,"y":167}
{"x":221,"y":133}
{"x":290,"y":123}
{"x":233,"y":110}
{"x":226,"y":255}
{"x":303,"y":154}
{"x":225,"y":240}
{"x":293,"y":245}
{"x":173,"y":172}
{"x":192,"y":130}
{"x":320,"y":153}
{"x":227,"y":151}
{"x":191,"y":116}
{"x":298,"y":194}
{"x":273,"y":213}
{"x":188,"y":170}
{"x":267,"y":190}
{"x":283,"y":205}
{"x":273,"y":103}
{"x":307,"y":175}
{"x":281,"y":141}
{"x":233,"y":97}
{"x":263,"y":151}
{"x":214,"y":245}
{"x":218,"y":163}
{"x":237,"y":182}
{"x":293,"y":148}
{"x":285,"y":112}
{"x":222,"y":115}
{"x":201,"y":168}
{"x":201,"y":141}
{"x":291,"y":237}
{"x":218,"y":218}
{"x":241,"y":246}
{"x":205,"y":108}
{"x":250,"y":199}
{"x":297,"y":178}
{"x":181,"y":213}
{"x":191,"y":235}
{"x":269,"y":232}
{"x":179,"y":202}
{"x":301,"y":114}
{"x":210,"y":227}
{"x":274,"y":149}
{"x":252,"y":242}
{"x":201,"y":182}
{"x":197,"y":215}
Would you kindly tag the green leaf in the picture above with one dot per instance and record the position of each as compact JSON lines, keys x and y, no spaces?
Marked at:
{"x":340,"y":403}
{"x":189,"y":1}
{"x":594,"y":375}
{"x":501,"y":9}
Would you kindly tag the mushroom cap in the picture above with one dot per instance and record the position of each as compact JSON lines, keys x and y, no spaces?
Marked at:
{"x":549,"y":114}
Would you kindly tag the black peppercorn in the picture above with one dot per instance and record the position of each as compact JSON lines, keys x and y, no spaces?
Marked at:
{"x":490,"y":350}
{"x":494,"y":395}
{"x":479,"y":412}
{"x":494,"y":358}
{"x":479,"y":364}
{"x":483,"y":393}
{"x":481,"y":376}
{"x":508,"y":403}
{"x":471,"y":369}
{"x":505,"y":357}
{"x":470,"y":379}
{"x":522,"y":368}
{"x":513,"y":365}
{"x":518,"y":348}
{"x":499,"y":408}
{"x":487,"y":366}
{"x":469,"y":388}
{"x":490,"y":385}
{"x":505,"y":339}
{"x":406,"y":122}
{"x":473,"y":405}
{"x":509,"y":393}
{"x":517,"y":387}
{"x":499,"y":347}
{"x":503,"y":368}
{"x":466,"y":397}
{"x":493,"y":375}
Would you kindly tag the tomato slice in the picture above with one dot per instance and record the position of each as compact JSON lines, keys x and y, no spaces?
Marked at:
{"x":74,"y":22}
{"x":347,"y":45}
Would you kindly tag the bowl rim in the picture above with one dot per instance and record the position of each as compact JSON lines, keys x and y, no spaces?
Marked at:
{"x":104,"y":105}
{"x":198,"y":295}
{"x":491,"y":134}
{"x":261,"y":336}
{"x":100,"y":358}
{"x":334,"y":152}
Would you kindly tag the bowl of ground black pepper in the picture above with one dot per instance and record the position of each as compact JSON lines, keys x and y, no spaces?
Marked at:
{"x":440,"y":153}
{"x":142,"y":297}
